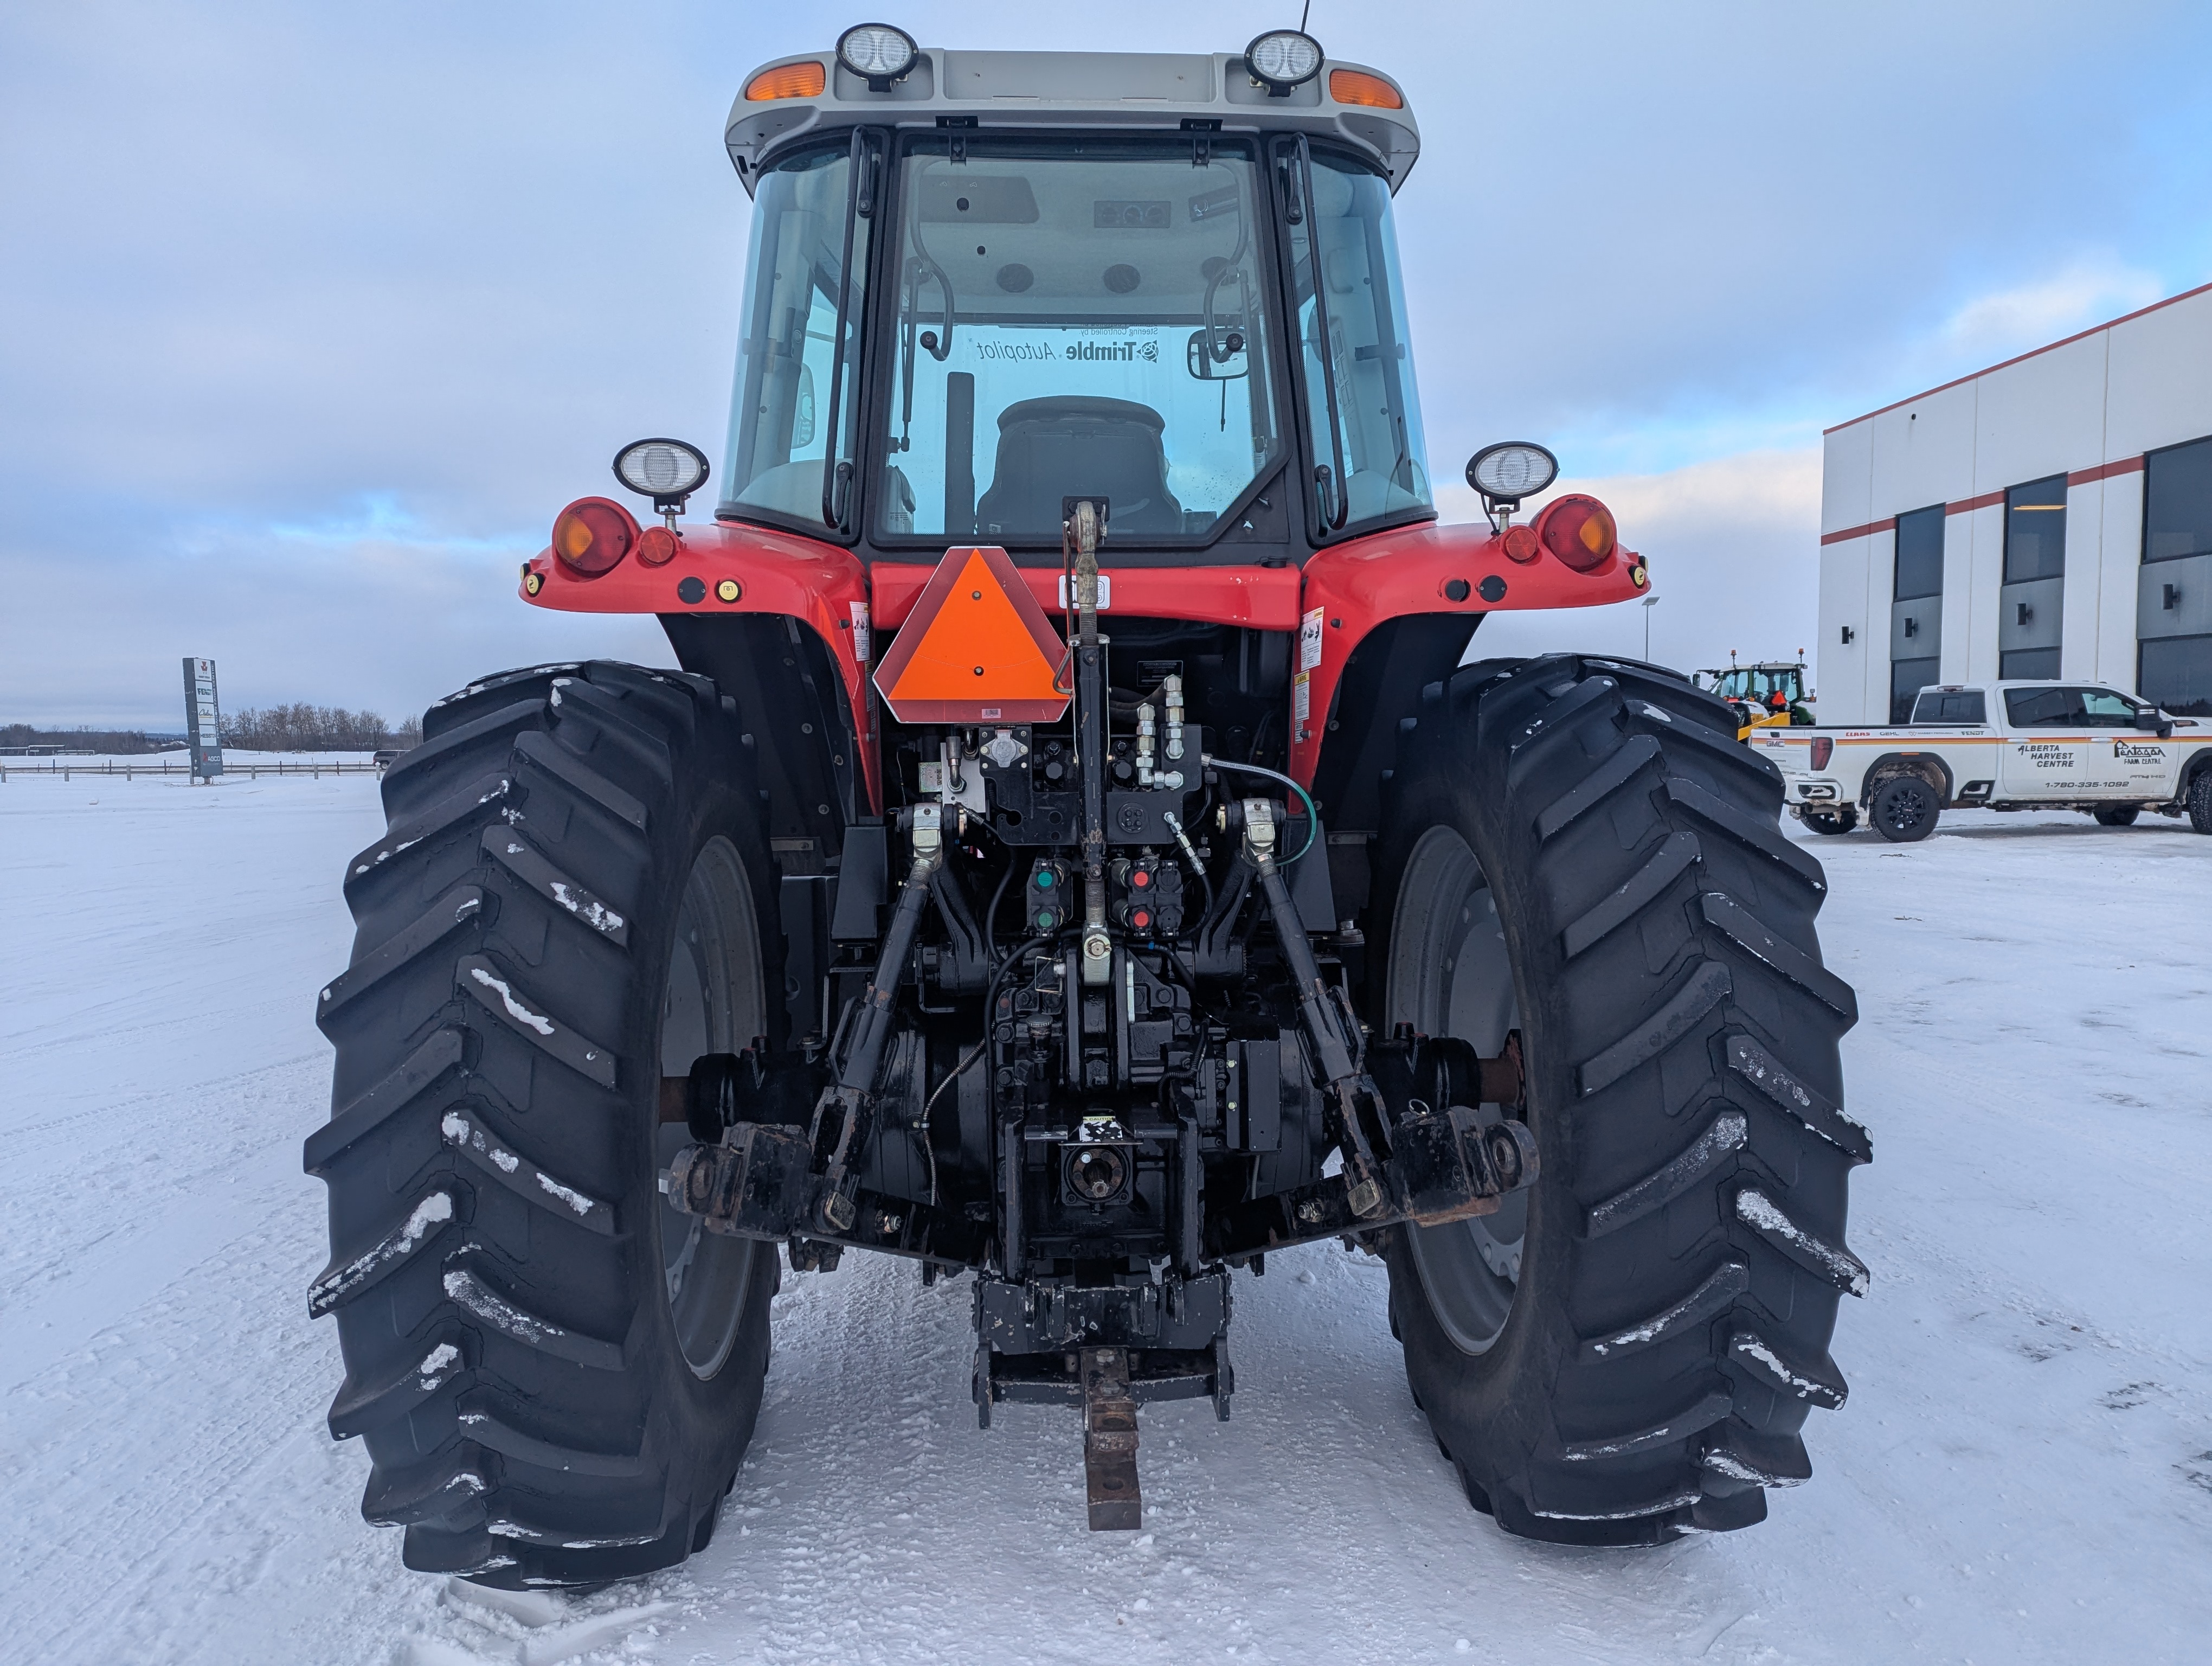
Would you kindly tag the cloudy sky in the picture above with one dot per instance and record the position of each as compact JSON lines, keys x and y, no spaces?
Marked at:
{"x":312,"y":315}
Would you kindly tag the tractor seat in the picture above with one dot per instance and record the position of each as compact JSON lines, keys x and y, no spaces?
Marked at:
{"x":1071,"y":447}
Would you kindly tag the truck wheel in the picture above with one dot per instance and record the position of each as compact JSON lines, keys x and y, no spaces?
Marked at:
{"x":2200,"y":801}
{"x":2119,"y":815}
{"x":1577,"y":850}
{"x":556,"y":1375}
{"x":1842,"y":819}
{"x":1904,"y":809}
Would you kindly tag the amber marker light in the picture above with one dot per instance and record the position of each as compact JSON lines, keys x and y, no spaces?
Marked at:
{"x":1579,"y":530}
{"x":786,"y":80}
{"x":1357,"y":87}
{"x":657,"y":546}
{"x":592,"y":534}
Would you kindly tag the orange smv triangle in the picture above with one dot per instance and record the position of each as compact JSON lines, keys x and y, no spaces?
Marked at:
{"x":977,"y":648}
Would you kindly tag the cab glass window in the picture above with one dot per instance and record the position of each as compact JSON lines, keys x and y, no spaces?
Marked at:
{"x":1076,"y":319}
{"x":1951,"y":705}
{"x":2068,"y":708}
{"x":1363,"y":411}
{"x":2102,"y":709}
{"x":800,"y":294}
{"x":2044,"y":709}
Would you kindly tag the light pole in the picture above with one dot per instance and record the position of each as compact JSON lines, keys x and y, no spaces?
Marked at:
{"x":1650,"y":602}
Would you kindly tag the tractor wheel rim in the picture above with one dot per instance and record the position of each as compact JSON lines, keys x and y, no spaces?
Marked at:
{"x":1450,"y":975}
{"x":712,"y":1004}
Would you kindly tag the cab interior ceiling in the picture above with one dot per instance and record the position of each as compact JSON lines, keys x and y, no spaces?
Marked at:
{"x":1048,"y":258}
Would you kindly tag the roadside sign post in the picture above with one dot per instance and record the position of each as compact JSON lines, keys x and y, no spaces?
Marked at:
{"x":202,"y":720}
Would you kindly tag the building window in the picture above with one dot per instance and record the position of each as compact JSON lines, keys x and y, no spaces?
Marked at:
{"x":2032,"y":600}
{"x":2035,"y":530}
{"x":2027,"y":664}
{"x":2178,"y":501}
{"x":1919,"y":554}
{"x":2174,"y":608}
{"x":1915,"y":611}
{"x":2175,"y":673}
{"x":1906,"y":678}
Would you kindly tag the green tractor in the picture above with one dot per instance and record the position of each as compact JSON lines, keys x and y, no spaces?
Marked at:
{"x":1769,"y":695}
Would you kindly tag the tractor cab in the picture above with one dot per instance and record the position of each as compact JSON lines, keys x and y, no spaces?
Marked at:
{"x":984,"y":283}
{"x":1769,"y":695}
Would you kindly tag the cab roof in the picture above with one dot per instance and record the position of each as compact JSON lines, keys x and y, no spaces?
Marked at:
{"x":1132,"y":91}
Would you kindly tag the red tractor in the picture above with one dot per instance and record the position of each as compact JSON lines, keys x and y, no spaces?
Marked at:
{"x":1077,"y":853}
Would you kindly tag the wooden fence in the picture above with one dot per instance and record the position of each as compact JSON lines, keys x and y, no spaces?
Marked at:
{"x":130,"y":770}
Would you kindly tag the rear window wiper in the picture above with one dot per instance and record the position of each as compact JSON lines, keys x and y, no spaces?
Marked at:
{"x":1297,"y":197}
{"x":859,"y":204}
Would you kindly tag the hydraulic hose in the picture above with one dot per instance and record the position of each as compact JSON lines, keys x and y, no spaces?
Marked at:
{"x":1313,"y":815}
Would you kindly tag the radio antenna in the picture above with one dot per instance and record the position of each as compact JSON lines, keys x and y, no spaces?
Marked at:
{"x":1304,"y":12}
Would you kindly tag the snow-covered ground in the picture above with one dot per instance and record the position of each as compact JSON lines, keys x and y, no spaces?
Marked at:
{"x":2024,"y":1472}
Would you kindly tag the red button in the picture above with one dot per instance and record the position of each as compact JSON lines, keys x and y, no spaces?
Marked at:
{"x":1141,"y":919}
{"x":1140,"y":878}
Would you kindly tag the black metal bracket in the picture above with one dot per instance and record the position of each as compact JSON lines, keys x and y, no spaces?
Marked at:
{"x":1110,"y":1443}
{"x":761,"y":1184}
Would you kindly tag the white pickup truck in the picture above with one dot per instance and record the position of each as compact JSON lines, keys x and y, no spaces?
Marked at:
{"x":2043,"y":746}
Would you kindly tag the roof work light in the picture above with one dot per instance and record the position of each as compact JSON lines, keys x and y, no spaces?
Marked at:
{"x":1509,"y":471}
{"x":1282,"y":60}
{"x":877,"y":53}
{"x":665,"y":470}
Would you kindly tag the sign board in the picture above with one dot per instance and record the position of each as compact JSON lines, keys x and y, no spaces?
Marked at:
{"x":977,"y":648}
{"x":203,"y":720}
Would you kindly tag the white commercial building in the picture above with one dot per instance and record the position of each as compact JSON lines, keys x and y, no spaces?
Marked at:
{"x":2049,"y":517}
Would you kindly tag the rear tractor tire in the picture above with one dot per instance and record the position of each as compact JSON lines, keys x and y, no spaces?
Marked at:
{"x":556,"y":1375}
{"x":1578,"y":851}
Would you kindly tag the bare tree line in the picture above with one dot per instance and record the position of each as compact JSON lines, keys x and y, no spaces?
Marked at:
{"x":301,"y":727}
{"x":117,"y":743}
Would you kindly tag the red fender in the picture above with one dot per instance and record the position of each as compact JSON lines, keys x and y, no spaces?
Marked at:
{"x":1350,"y":589}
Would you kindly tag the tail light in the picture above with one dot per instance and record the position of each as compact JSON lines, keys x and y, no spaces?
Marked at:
{"x":1521,"y":544}
{"x":1579,"y":530}
{"x":592,"y":534}
{"x":1824,"y":748}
